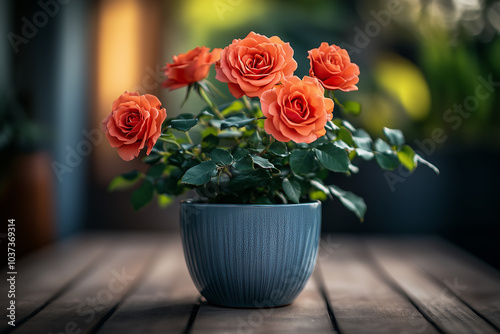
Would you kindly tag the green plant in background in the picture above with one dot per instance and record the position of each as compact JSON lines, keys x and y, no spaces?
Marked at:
{"x":275,"y":144}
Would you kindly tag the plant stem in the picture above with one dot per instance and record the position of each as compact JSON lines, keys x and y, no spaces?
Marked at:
{"x":170,"y":141}
{"x":210,"y":103}
{"x":246,"y":101}
{"x":271,"y":141}
{"x":189,"y":138}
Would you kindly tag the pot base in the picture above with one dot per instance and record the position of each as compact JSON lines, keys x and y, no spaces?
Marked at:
{"x":250,"y":307}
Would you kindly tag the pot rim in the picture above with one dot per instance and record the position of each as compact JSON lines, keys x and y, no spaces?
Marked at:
{"x":195,"y":202}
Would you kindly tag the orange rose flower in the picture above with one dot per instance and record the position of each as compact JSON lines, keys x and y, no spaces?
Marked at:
{"x":296,"y":110}
{"x":254,"y":64}
{"x":332,"y":66}
{"x":135,"y":122}
{"x":189,"y":67}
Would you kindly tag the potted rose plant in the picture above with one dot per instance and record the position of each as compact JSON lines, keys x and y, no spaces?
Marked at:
{"x":258,"y":163}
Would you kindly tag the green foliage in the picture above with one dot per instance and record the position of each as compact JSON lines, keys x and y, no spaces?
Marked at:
{"x":142,"y":195}
{"x":292,"y":190}
{"x":124,"y":181}
{"x":352,"y":107}
{"x":352,"y":202}
{"x":200,"y":174}
{"x":302,"y":162}
{"x":333,"y":157}
{"x":395,"y":136}
{"x":234,"y":160}
{"x":221,"y":157}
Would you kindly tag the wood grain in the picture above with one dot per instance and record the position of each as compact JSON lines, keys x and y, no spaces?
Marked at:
{"x":164,"y":300}
{"x":360,"y":285}
{"x":361,"y":300}
{"x":307,"y":314}
{"x":47,"y":273}
{"x":97,"y":292}
{"x":440,"y":305}
{"x":459,"y":273}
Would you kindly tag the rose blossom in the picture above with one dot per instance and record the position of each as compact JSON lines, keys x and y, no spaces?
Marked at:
{"x":332,"y":66}
{"x":135,"y":122}
{"x":296,"y":110}
{"x":254,"y":64}
{"x":189,"y":67}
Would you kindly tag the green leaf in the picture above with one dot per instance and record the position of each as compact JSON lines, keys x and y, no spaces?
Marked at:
{"x":263,"y":200}
{"x":152,"y":159}
{"x":240,"y":153}
{"x":348,"y":126}
{"x":352,"y":202}
{"x":292,"y":189}
{"x":176,"y":159}
{"x":245,"y":163}
{"x":331,"y":126}
{"x":183,"y":124}
{"x":200,"y":174}
{"x":346,"y":136}
{"x":333,"y":157}
{"x":232,"y":107}
{"x":301,"y":162}
{"x":254,"y":138}
{"x":247,"y":180}
{"x":385,"y":156}
{"x":262,"y":162}
{"x":320,"y":186}
{"x":124,"y":181}
{"x":142,"y":195}
{"x":132,"y":175}
{"x":278,"y":148}
{"x":237,"y":121}
{"x":366,"y":155}
{"x":317,"y":195}
{"x":221,"y":157}
{"x":395,"y":136}
{"x":419,"y":159}
{"x":388,"y":161}
{"x":382,"y":146}
{"x":352,"y":107}
{"x":230,"y":134}
{"x":164,"y":200}
{"x":156,"y":171}
{"x":209,"y":142}
{"x":362,"y":140}
{"x":407,"y":157}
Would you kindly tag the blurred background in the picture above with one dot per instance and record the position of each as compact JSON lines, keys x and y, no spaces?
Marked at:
{"x":428,"y":67}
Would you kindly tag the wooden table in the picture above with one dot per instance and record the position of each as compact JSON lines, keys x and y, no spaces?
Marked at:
{"x":140,"y":284}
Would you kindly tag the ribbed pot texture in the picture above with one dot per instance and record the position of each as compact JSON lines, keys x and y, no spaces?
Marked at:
{"x":243,"y":255}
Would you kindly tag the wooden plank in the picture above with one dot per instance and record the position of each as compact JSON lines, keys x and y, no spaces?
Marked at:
{"x":460,"y":273}
{"x":97,"y":292}
{"x":361,"y":300}
{"x":307,"y":314}
{"x":432,"y":297}
{"x":163,"y":302}
{"x":46,"y":273}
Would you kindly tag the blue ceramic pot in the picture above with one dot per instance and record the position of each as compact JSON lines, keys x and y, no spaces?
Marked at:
{"x":242,"y":255}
